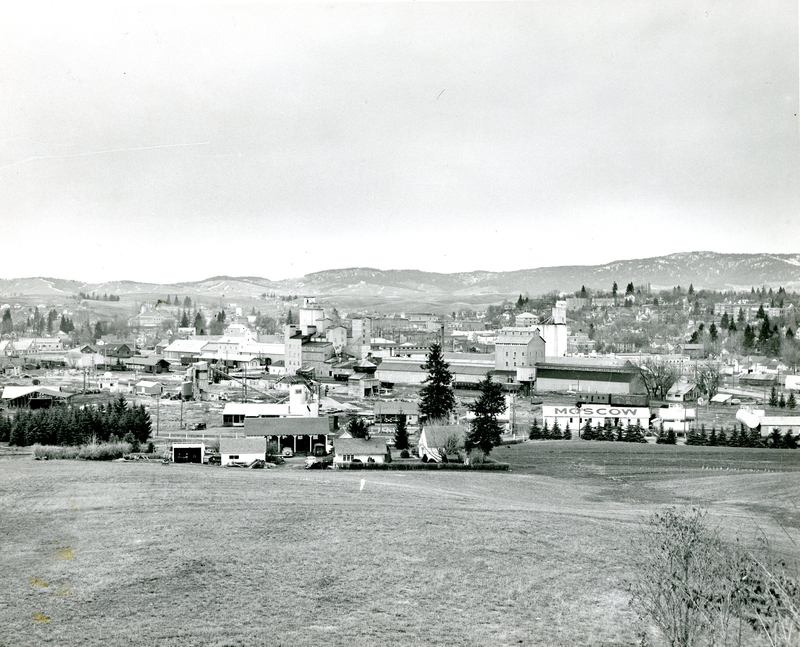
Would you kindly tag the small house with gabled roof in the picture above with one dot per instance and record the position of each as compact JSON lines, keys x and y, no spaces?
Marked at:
{"x":360,"y":450}
{"x":242,"y":451}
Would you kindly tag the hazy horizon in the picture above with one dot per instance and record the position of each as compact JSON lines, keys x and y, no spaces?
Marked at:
{"x":169,"y":145}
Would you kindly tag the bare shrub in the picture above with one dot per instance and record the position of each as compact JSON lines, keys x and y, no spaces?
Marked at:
{"x":54,"y":452}
{"x":699,"y":590}
{"x":453,"y":445}
{"x":104,"y":451}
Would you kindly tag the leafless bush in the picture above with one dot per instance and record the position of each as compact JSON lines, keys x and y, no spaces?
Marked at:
{"x":699,"y":590}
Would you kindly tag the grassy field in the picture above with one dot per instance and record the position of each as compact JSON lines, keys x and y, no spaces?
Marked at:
{"x":133,"y":553}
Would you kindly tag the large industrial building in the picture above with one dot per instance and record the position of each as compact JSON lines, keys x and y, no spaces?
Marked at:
{"x":589,"y":375}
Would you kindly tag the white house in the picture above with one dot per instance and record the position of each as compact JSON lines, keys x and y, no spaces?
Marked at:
{"x":242,"y":450}
{"x":146,"y":387}
{"x":350,"y":450}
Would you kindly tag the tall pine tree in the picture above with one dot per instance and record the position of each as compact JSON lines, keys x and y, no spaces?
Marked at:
{"x":437,"y":399}
{"x":485,"y":430}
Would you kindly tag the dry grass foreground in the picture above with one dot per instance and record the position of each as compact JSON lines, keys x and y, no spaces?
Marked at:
{"x":132,"y":553}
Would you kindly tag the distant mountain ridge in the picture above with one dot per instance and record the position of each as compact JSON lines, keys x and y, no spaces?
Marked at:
{"x":709,"y":270}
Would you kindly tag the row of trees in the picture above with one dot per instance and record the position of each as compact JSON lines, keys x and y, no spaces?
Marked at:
{"x":632,"y":433}
{"x":96,"y":297}
{"x":740,"y":437}
{"x":549,"y":433}
{"x":782,"y":402}
{"x":74,"y":426}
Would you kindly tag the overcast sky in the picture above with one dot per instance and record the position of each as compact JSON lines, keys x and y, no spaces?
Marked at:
{"x":269,"y":140}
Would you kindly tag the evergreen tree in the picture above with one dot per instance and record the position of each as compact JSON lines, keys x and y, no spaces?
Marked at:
{"x":782,"y":402}
{"x":712,"y":332}
{"x":773,"y":397}
{"x":567,"y":433}
{"x":535,"y":433}
{"x":749,"y":338}
{"x":702,"y":438}
{"x":789,"y":441}
{"x":401,"y":433}
{"x":754,"y":438}
{"x":588,"y":432}
{"x":722,"y":438}
{"x":555,"y":432}
{"x":712,"y":438}
{"x":790,"y":401}
{"x":671,"y":439}
{"x":358,"y":428}
{"x":691,"y":437}
{"x":8,"y":324}
{"x":485,"y":430}
{"x":199,"y":323}
{"x":437,"y":399}
{"x":545,"y":430}
{"x":185,"y":320}
{"x":775,"y":438}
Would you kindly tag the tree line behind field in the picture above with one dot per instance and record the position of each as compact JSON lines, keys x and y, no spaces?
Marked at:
{"x":73,"y":426}
{"x":740,"y":437}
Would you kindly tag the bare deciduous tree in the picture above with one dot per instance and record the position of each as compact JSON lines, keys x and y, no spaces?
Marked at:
{"x":658,"y":376}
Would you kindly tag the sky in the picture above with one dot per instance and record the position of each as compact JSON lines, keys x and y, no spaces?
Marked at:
{"x":174,"y":144}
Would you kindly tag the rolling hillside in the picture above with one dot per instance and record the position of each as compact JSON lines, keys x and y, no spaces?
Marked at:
{"x":365,"y":286}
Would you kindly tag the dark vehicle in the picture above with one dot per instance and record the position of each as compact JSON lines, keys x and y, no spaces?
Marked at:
{"x":214,"y":459}
{"x":319,"y":459}
{"x":197,"y":426}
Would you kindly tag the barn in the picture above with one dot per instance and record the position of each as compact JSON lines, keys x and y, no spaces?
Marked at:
{"x":291,"y":435}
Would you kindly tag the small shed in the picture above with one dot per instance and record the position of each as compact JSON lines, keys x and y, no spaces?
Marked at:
{"x":721,"y":398}
{"x":242,"y":451}
{"x":145,"y":387}
{"x":188,"y":452}
{"x":434,"y":440}
{"x":363,"y":385}
{"x":362,"y":450}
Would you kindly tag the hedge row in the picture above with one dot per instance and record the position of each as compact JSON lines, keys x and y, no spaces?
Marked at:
{"x":503,"y":467}
{"x":91,"y":452}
